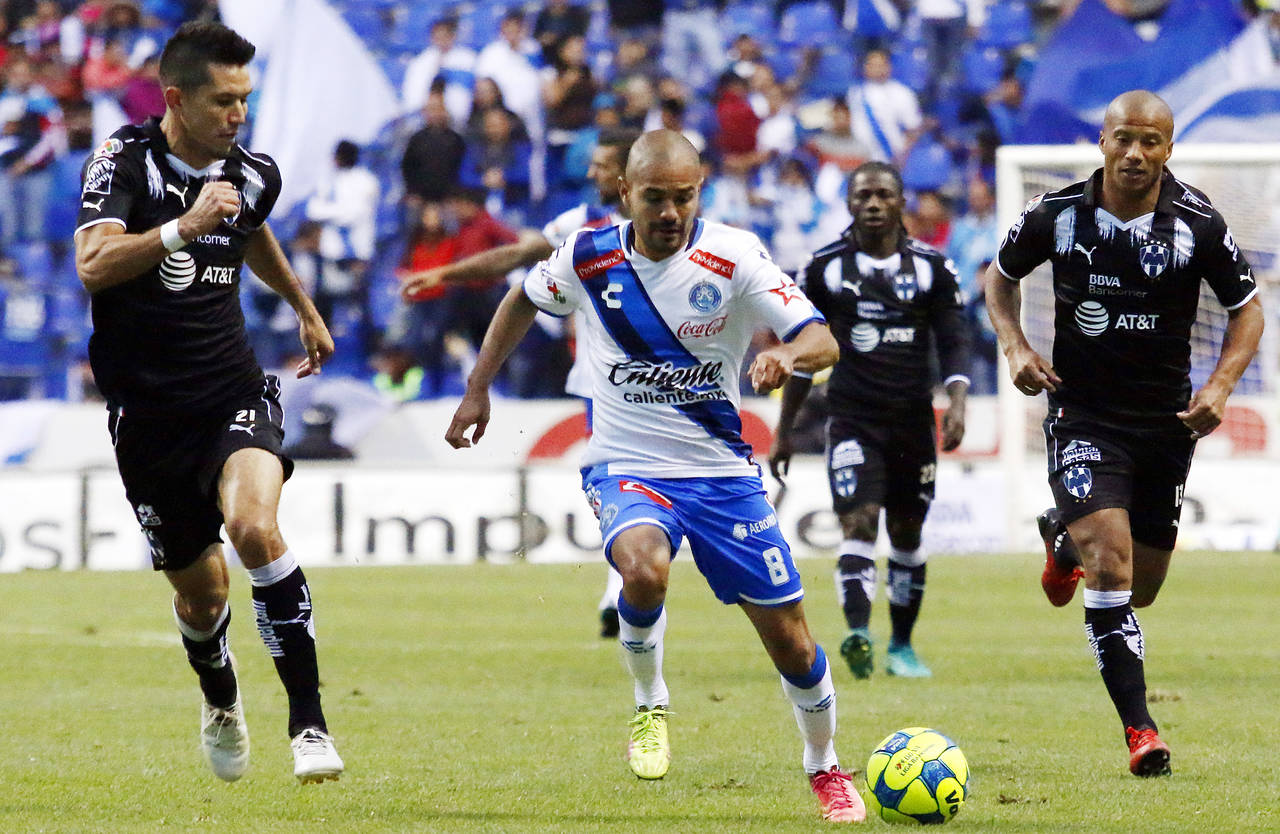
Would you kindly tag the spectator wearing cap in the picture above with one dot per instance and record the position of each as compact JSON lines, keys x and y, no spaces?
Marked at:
{"x":443,"y":58}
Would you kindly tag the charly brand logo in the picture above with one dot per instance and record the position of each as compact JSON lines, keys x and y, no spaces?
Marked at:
{"x":865,"y":337}
{"x":1092,"y":318}
{"x":177,"y":271}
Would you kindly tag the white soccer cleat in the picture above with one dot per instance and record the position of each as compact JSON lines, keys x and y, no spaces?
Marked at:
{"x":315,"y":759}
{"x":224,"y":738}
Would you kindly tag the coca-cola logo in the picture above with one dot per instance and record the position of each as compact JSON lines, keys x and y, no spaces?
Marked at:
{"x":701,"y":329}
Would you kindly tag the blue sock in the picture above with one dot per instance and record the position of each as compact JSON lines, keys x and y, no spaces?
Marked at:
{"x":635,"y":616}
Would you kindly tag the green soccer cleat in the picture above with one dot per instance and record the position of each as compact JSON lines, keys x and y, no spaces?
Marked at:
{"x":904,"y":664}
{"x":649,"y":751}
{"x":856,"y":651}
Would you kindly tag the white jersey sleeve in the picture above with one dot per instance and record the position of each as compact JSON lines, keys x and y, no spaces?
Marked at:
{"x":771,"y":294}
{"x":552,"y":285}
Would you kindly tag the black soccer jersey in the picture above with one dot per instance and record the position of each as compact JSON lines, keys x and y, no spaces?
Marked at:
{"x":882,"y":313}
{"x":172,"y":340}
{"x":1126,"y":293}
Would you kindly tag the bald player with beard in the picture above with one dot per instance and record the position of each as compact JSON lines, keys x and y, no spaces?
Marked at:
{"x":1129,"y":248}
{"x":671,"y":303}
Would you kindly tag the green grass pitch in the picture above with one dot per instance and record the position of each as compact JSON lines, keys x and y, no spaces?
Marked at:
{"x":479,"y":698}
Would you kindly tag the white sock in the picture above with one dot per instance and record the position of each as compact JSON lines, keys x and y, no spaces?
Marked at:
{"x":612,"y":587}
{"x":642,"y":651}
{"x":815,"y":710}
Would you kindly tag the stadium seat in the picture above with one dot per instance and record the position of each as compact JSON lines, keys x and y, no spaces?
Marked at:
{"x":911,"y":67}
{"x":1008,"y":25}
{"x":754,"y":19}
{"x":412,"y":31}
{"x":983,"y":67}
{"x":810,"y":23}
{"x":928,"y":166}
{"x":367,"y":22}
{"x":35,"y":264}
{"x":833,"y":75}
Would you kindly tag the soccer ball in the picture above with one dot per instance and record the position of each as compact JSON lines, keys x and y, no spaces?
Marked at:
{"x":917,"y":775}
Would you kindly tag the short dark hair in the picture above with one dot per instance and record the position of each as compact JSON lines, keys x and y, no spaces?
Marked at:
{"x":621,"y":140}
{"x":346,"y":154}
{"x":875,"y":166}
{"x":186,"y":58}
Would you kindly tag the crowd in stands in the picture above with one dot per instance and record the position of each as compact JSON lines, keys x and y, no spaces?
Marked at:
{"x":502,"y":102}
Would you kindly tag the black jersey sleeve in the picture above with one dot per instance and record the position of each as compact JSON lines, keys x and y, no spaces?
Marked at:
{"x":948,"y":321}
{"x":1224,"y":266}
{"x":813,"y":281}
{"x":109,"y":185}
{"x":1029,"y":241}
{"x":259,"y":184}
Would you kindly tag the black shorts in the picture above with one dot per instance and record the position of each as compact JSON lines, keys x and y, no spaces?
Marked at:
{"x":1094,"y":466}
{"x":170,"y":467}
{"x":889,"y":463}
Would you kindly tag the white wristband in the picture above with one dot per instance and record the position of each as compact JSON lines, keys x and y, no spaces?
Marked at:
{"x":170,"y":238}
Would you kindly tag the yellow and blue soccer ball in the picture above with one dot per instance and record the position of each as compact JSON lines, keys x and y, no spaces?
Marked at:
{"x":917,"y":775}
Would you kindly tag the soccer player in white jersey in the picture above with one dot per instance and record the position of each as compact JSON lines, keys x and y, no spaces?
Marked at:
{"x":608,"y":161}
{"x":672,"y":303}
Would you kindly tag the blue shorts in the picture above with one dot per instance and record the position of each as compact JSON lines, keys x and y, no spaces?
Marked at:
{"x":731,"y":526}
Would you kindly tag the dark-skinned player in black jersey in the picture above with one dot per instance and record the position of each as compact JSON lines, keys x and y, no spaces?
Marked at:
{"x":885,"y":296}
{"x":170,"y":210}
{"x":1130,"y":247}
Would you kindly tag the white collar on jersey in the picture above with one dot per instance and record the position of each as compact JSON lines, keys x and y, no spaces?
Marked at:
{"x":187,"y":172}
{"x":1142,"y":221}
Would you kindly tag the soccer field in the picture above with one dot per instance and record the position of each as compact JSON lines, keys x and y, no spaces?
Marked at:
{"x":479,"y":698}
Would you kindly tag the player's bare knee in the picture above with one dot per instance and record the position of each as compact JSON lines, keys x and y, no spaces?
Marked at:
{"x":256,"y":539}
{"x":1143,"y":597}
{"x":861,"y":523}
{"x":200,"y":608}
{"x":904,"y":533}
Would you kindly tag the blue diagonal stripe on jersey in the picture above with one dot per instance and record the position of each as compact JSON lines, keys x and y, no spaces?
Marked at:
{"x":640,"y":330}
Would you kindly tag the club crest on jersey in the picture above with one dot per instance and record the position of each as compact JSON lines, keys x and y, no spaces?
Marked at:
{"x":705,"y":297}
{"x":904,"y":286}
{"x":1079,"y":482}
{"x":1153,"y":258}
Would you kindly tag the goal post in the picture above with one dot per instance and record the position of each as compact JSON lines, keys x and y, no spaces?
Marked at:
{"x":1243,"y":183}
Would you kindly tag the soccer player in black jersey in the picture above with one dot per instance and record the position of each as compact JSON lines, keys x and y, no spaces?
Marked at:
{"x":1129,"y":248}
{"x":885,"y":296}
{"x":169,"y":211}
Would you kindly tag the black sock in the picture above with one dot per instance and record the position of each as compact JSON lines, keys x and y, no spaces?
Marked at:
{"x":905,"y":591}
{"x":283,"y":611}
{"x":856,"y":576}
{"x":212,"y":663}
{"x":1116,"y":638}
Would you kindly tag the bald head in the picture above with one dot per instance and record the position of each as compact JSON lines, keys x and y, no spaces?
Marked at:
{"x":664,"y":152}
{"x":1139,"y":107}
{"x":660,"y":191}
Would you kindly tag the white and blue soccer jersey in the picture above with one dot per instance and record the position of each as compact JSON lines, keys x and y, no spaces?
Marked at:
{"x":581,"y":216}
{"x":667,"y":342}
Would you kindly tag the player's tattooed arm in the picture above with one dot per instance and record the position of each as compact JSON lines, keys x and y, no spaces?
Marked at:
{"x":267,"y":260}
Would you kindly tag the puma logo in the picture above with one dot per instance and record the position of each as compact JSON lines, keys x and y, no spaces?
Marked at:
{"x":854,"y":286}
{"x":182,"y":195}
{"x":95,"y":206}
{"x":237,"y":427}
{"x":1088,"y":253}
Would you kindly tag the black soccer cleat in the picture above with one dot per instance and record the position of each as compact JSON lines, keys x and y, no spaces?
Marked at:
{"x":608,"y":623}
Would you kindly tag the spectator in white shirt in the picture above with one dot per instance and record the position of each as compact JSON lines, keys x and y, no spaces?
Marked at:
{"x":886,"y":115}
{"x":947,"y":25}
{"x":444,"y":57}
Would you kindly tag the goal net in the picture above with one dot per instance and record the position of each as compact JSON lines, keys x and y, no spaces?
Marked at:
{"x":1243,"y":182}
